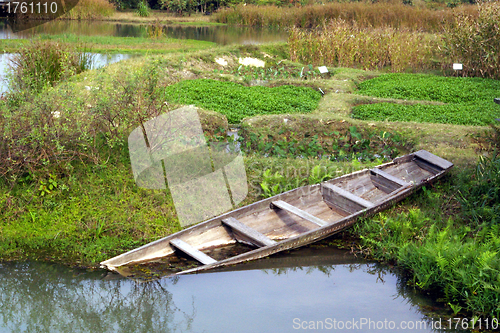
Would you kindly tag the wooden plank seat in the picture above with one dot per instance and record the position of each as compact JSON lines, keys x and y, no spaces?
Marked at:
{"x":386,"y":182}
{"x":191,"y":251}
{"x":339,"y":198}
{"x":249,"y":234}
{"x":431,"y":162}
{"x":296,"y":211}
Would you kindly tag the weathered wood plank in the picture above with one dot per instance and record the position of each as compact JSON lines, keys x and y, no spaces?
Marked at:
{"x":251,"y":234}
{"x":433,"y":159}
{"x":299,"y":212}
{"x":343,"y":199}
{"x":191,"y":251}
{"x":385,"y":181}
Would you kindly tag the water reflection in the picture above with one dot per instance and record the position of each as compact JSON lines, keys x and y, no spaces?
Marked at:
{"x":37,"y":297}
{"x":218,"y":34}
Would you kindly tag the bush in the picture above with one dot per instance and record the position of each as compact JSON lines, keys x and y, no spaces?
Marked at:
{"x":236,"y":101}
{"x":72,"y":123}
{"x":143,"y":9}
{"x":42,"y":64}
{"x":343,"y":44}
{"x":474,"y":41}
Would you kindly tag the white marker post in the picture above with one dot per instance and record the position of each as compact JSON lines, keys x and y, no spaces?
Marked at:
{"x":457,"y":67}
{"x":323,"y":69}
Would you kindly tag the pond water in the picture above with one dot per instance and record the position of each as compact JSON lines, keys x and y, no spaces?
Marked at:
{"x":306,"y":288}
{"x":217,"y":34}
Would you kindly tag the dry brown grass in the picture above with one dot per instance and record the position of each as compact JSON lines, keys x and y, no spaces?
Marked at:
{"x":395,"y":15}
{"x":344,"y":44}
{"x":90,"y":10}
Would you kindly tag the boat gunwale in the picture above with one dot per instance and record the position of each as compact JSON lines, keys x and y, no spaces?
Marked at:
{"x":308,"y":237}
{"x":324,"y":232}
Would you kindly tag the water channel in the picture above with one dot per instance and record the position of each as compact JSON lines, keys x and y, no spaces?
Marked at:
{"x":312,"y":289}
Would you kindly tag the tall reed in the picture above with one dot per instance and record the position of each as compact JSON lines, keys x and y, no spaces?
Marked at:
{"x":342,"y":44}
{"x":474,"y":41}
{"x":366,"y":15}
{"x":90,"y":10}
{"x":41,"y":64}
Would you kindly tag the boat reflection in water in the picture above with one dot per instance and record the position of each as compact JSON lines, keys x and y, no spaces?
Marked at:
{"x":271,"y":294}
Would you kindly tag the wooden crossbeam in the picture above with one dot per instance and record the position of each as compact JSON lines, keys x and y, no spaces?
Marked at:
{"x":299,"y":212}
{"x":386,"y":182}
{"x":341,"y":199}
{"x":433,"y":159}
{"x":191,"y":251}
{"x":250,"y":234}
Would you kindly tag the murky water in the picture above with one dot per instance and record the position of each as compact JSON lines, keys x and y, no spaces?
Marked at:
{"x":218,"y":34}
{"x":305,"y":289}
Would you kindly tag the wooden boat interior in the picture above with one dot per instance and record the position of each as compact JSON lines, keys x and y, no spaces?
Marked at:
{"x":268,"y":222}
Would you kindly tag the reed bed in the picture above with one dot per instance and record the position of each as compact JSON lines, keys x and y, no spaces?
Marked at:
{"x":366,"y":15}
{"x":90,"y":10}
{"x":342,"y":44}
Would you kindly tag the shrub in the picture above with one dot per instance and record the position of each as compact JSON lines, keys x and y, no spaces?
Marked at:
{"x":143,"y":9}
{"x":72,"y":123}
{"x":474,"y":41}
{"x":42,"y":64}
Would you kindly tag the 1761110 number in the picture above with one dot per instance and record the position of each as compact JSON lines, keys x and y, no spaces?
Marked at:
{"x":31,"y":7}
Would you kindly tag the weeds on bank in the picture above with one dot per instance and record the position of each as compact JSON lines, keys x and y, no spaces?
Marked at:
{"x":90,"y":10}
{"x":343,"y":44}
{"x":449,"y":245}
{"x":40,"y":65}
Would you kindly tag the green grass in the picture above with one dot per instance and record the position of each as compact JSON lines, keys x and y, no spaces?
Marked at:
{"x":469,"y":101}
{"x":86,"y":218}
{"x":236,"y":101}
{"x":447,"y":238}
{"x":110,"y":44}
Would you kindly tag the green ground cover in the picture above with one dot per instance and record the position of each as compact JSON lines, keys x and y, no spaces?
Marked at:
{"x":236,"y":101}
{"x":467,"y":101}
{"x":67,"y":191}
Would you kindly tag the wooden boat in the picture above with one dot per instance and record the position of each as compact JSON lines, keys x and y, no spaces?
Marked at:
{"x":294,"y":218}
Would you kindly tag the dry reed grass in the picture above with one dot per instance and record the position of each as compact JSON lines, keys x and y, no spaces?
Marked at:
{"x":90,"y":10}
{"x":342,"y":44}
{"x":395,"y":15}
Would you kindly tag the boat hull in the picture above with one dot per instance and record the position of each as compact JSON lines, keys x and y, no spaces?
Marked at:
{"x":335,"y":205}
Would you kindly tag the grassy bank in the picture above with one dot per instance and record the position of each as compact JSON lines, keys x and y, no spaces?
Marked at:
{"x":109,"y":44}
{"x":67,"y":191}
{"x":447,"y":238}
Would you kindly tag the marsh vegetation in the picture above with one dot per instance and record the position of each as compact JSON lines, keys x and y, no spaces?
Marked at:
{"x":63,"y":139}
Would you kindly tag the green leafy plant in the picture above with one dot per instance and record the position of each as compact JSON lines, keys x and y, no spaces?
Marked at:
{"x":143,"y":9}
{"x":236,"y":101}
{"x":465,"y":101}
